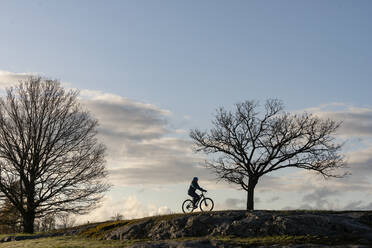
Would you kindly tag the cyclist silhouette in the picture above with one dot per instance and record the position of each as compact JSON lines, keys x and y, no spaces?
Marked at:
{"x":193,"y":187}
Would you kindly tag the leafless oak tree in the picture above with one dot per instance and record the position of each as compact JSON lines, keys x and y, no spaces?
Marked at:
{"x":249,"y":145}
{"x":48,"y":147}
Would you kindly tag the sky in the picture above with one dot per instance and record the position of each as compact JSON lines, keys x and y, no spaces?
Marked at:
{"x":150,"y":71}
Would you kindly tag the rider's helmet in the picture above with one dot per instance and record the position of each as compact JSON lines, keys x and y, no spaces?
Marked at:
{"x":195,"y":179}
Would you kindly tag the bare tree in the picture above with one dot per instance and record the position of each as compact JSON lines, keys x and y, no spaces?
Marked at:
{"x":48,"y":147}
{"x":46,"y":223}
{"x":66,"y":220}
{"x":249,"y":145}
{"x":117,"y":217}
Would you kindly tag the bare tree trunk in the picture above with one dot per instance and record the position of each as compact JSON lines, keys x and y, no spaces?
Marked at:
{"x":250,"y":192}
{"x":28,"y":222}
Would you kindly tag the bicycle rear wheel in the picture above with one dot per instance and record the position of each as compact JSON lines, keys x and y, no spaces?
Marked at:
{"x":187,"y":206}
{"x":206,"y":204}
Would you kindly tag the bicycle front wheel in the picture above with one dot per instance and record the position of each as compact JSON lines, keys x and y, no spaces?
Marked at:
{"x":206,"y":204}
{"x":187,"y":206}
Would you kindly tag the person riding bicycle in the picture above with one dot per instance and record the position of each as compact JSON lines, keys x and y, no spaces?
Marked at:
{"x":193,"y":187}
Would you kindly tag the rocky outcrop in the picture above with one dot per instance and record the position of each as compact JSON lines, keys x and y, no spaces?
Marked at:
{"x":354,"y":225}
{"x":232,"y":229}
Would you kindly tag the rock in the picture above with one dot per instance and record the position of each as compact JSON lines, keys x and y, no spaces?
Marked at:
{"x":250,"y":224}
{"x":6,"y":239}
{"x":366,"y":219}
{"x":202,"y":243}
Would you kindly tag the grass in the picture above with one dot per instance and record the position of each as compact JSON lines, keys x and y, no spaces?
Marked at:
{"x":17,"y":234}
{"x":99,"y":231}
{"x":80,"y":242}
{"x":285,"y":240}
{"x":269,"y":240}
{"x":63,"y":242}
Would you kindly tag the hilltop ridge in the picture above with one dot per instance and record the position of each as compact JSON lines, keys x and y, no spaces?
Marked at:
{"x":237,"y":229}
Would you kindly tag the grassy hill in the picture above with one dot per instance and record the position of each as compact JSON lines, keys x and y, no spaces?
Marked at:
{"x":215,"y":229}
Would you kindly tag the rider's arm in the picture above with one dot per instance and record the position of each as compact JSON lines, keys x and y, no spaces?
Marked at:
{"x":198,"y":187}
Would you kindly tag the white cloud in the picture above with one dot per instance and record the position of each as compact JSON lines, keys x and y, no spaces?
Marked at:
{"x":8,"y":79}
{"x":358,"y":205}
{"x":356,"y":121}
{"x":142,"y":148}
{"x":360,"y":160}
{"x":306,"y":181}
{"x":234,"y":203}
{"x":98,"y":96}
{"x":274,"y":199}
{"x":319,"y":198}
{"x":129,"y":208}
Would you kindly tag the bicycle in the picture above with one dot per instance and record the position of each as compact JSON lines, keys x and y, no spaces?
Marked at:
{"x":205,"y":204}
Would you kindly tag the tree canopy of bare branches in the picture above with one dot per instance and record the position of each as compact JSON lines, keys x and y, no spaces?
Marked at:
{"x":247,"y":145}
{"x":48,"y":147}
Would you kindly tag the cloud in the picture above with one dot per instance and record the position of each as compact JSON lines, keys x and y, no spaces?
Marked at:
{"x":233,"y":203}
{"x":356,"y":121}
{"x":360,"y":162}
{"x":306,"y":181}
{"x":357,"y":205}
{"x":319,"y":199}
{"x":126,"y":119}
{"x":274,"y":199}
{"x":324,"y":198}
{"x":8,"y":79}
{"x":142,"y":148}
{"x":129,"y":208}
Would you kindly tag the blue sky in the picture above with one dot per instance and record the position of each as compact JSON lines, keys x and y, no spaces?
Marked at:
{"x":167,"y":52}
{"x":186,"y":58}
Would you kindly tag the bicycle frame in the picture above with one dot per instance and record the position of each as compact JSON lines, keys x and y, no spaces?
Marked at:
{"x":201,"y":197}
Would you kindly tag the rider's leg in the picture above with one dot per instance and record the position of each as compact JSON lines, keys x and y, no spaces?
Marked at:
{"x":195,"y":197}
{"x":196,"y":200}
